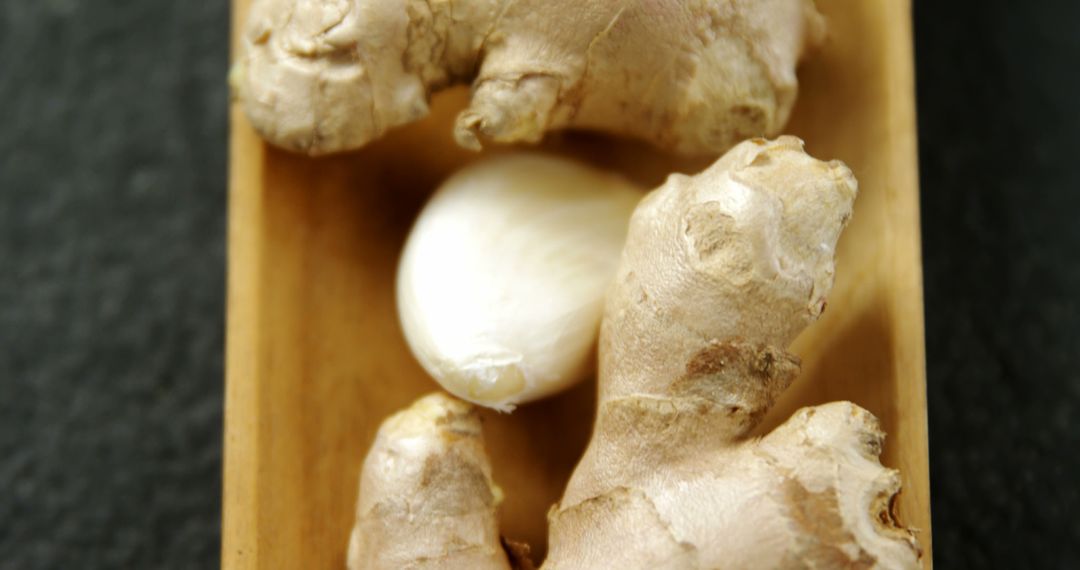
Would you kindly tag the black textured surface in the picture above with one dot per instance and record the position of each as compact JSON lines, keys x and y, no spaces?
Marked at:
{"x":112,"y":198}
{"x":112,"y":202}
{"x":998,"y":88}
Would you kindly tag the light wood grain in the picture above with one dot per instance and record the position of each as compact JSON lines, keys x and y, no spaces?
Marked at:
{"x":316,"y":359}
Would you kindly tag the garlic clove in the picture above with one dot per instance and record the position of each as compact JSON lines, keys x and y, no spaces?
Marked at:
{"x":501,"y":284}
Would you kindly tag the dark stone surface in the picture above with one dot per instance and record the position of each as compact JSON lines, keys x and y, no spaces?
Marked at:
{"x":998,"y":88}
{"x":112,"y":202}
{"x":112,"y":218}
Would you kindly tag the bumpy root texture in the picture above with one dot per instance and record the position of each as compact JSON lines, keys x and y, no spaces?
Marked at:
{"x":811,"y":494}
{"x":427,"y":500}
{"x":721,"y":271}
{"x":322,"y":76}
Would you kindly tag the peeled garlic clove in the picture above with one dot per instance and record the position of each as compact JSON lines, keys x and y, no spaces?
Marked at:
{"x":500,"y":288}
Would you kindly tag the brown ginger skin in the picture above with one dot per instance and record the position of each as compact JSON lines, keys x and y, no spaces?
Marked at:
{"x":427,"y":500}
{"x":693,"y":77}
{"x":721,"y":271}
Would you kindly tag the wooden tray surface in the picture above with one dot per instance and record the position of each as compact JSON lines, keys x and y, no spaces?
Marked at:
{"x":316,"y":359}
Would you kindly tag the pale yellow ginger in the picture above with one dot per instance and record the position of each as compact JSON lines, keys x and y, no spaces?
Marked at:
{"x":426,"y":495}
{"x":322,"y":76}
{"x":720,"y":272}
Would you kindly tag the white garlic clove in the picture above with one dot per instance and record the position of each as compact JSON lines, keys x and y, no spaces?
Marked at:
{"x":501,"y":285}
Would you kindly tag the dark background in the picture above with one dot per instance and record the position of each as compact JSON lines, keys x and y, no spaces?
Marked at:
{"x":112,"y":222}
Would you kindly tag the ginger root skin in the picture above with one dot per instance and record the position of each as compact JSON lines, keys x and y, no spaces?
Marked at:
{"x":427,"y":500}
{"x":692,"y":77}
{"x":720,"y":272}
{"x":811,"y":494}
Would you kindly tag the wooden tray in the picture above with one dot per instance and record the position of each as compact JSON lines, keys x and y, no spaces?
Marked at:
{"x":315,"y":357}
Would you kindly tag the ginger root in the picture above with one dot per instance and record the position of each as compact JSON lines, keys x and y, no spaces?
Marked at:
{"x":720,"y":272}
{"x":321,"y":76}
{"x":426,"y":495}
